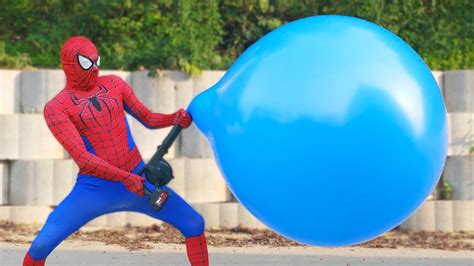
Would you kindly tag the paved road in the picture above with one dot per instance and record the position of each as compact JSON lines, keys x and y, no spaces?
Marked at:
{"x":98,"y":254}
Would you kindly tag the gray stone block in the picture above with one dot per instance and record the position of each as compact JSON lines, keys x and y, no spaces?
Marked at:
{"x":31,"y":183}
{"x":147,"y":140}
{"x":444,"y":215}
{"x":193,"y":144}
{"x":64,"y":178}
{"x":411,"y":223}
{"x":125,"y":75}
{"x":204,"y":182}
{"x":9,"y":91}
{"x":228,"y":215}
{"x":183,"y":88}
{"x":38,"y":87}
{"x":438,"y":76}
{"x":463,"y":215}
{"x":178,"y":184}
{"x":116,"y":219}
{"x":206,"y":80}
{"x":157,"y":93}
{"x":247,"y":220}
{"x":459,"y":171}
{"x":29,"y":214}
{"x":460,"y":133}
{"x":139,"y":219}
{"x":426,"y":216}
{"x":100,"y":221}
{"x":5,"y":213}
{"x":210,"y":213}
{"x":9,"y":137}
{"x":36,"y":140}
{"x":459,"y":90}
{"x":4,"y":182}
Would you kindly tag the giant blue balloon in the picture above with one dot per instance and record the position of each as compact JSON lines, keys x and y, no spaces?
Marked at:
{"x":330,"y":130}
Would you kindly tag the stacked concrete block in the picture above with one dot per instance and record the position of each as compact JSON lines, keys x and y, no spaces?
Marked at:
{"x":5,"y":213}
{"x":206,"y":80}
{"x":25,"y":214}
{"x":147,"y":140}
{"x":178,"y":184}
{"x":216,"y":215}
{"x":140,"y":219}
{"x":100,"y":221}
{"x":246,"y":219}
{"x":116,"y":219}
{"x":459,"y":91}
{"x":463,"y":215}
{"x":438,"y":76}
{"x":120,"y":219}
{"x":9,"y":137}
{"x":41,"y":177}
{"x":4,"y":182}
{"x":9,"y":91}
{"x":125,"y":75}
{"x":198,"y":180}
{"x":229,"y":215}
{"x":211,"y":214}
{"x":459,"y":98}
{"x":29,"y":214}
{"x":204,"y":182}
{"x":64,"y":178}
{"x":426,"y":216}
{"x":410,"y":223}
{"x":36,"y":140}
{"x":443,"y":215}
{"x":31,"y":183}
{"x":193,"y":143}
{"x":460,"y":133}
{"x":446,"y":216}
{"x":459,"y":171}
{"x":157,"y":93}
{"x":38,"y":87}
{"x":183,"y":88}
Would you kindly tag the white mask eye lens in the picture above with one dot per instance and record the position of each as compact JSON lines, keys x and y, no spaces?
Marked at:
{"x":85,"y":62}
{"x":98,"y":61}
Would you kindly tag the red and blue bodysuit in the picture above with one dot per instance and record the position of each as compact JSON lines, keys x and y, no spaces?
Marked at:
{"x":88,"y":119}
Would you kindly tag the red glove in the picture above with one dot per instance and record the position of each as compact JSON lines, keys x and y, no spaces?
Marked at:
{"x":182,"y":118}
{"x":134,"y":184}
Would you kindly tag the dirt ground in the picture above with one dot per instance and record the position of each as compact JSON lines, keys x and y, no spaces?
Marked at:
{"x":142,"y":238}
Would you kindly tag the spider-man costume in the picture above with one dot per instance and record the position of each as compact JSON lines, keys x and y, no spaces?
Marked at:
{"x":87,"y":117}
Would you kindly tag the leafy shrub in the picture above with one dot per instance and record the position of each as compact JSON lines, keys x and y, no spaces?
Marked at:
{"x":210,"y":34}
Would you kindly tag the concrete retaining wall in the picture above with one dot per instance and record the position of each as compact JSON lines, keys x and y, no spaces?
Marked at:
{"x":35,"y":172}
{"x":216,"y":215}
{"x":459,"y":92}
{"x":447,"y":216}
{"x":4,"y":182}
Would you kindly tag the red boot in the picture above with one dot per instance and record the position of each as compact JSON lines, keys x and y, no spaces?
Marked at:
{"x":197,"y":250}
{"x":29,"y":261}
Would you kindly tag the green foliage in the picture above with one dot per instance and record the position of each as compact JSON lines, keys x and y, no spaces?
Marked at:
{"x":446,"y":191}
{"x":210,"y":34}
{"x":13,"y":61}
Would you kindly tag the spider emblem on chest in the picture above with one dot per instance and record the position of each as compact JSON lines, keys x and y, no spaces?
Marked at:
{"x":94,"y":106}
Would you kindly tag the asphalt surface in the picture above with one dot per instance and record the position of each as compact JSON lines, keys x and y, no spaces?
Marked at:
{"x":99,"y":254}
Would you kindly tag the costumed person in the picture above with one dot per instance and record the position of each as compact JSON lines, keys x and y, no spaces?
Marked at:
{"x":87,"y":117}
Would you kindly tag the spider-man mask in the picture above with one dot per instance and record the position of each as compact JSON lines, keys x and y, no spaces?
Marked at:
{"x":80,"y":63}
